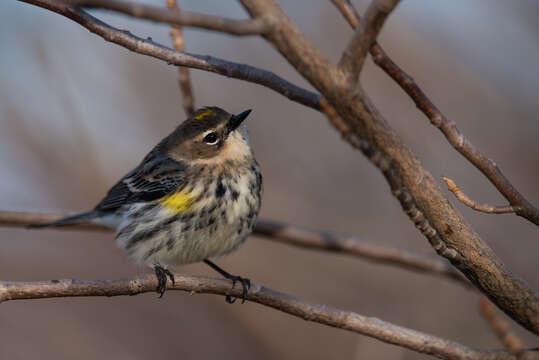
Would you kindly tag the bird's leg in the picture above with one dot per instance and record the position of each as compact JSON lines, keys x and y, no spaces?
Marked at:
{"x":245,"y":283}
{"x":161,"y":273}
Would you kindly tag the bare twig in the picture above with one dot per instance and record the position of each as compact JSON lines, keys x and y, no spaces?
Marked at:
{"x":201,"y":62}
{"x":176,"y":17}
{"x":354,"y":55}
{"x":373,"y":327}
{"x":500,"y":328}
{"x":184,"y":79}
{"x":448,"y":127}
{"x":291,"y":235}
{"x":463,"y":198}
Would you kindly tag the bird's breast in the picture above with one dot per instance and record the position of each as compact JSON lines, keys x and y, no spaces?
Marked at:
{"x":211,"y":217}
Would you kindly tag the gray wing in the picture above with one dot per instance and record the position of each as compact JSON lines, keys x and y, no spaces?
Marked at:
{"x":155,"y":177}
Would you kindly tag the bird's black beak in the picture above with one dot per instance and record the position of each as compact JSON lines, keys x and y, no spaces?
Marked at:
{"x":236,"y":120}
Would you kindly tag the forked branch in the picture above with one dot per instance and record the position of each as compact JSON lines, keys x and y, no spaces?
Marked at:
{"x":463,"y":198}
{"x":366,"y":33}
{"x":448,"y":127}
{"x":202,"y":62}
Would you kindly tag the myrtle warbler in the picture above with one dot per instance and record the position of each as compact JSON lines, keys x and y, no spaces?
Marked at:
{"x":195,"y":196}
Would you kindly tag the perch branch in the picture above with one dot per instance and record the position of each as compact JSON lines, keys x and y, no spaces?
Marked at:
{"x":291,"y":235}
{"x":184,"y":79}
{"x":365,"y":35}
{"x":448,"y":127}
{"x":373,"y":327}
{"x":202,"y":62}
{"x":463,"y":198}
{"x":176,"y":17}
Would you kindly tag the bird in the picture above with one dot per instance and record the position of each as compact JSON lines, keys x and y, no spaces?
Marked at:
{"x":196,"y":195}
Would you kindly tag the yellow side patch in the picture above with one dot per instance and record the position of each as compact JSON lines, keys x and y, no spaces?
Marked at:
{"x":202,"y":114}
{"x":177,"y":202}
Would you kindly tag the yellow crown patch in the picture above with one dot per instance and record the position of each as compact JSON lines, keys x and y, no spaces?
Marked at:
{"x":203,"y":113}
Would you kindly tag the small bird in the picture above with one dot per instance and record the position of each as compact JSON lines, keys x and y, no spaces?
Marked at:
{"x":195,"y":196}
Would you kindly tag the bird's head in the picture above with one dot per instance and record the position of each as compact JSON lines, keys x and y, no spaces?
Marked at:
{"x":210,"y":135}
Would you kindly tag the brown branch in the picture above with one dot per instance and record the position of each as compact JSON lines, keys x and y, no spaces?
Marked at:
{"x":201,"y":62}
{"x":321,"y":240}
{"x":291,"y":235}
{"x":354,"y":55}
{"x":184,"y":79}
{"x":463,"y":198}
{"x":448,"y":127}
{"x":419,"y":194}
{"x":176,"y":17}
{"x":373,"y":327}
{"x":500,"y":328}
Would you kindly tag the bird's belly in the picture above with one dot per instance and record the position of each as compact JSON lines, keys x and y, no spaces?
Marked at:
{"x":162,"y":236}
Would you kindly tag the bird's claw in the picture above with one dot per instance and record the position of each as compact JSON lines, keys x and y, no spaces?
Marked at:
{"x":161,"y":273}
{"x":246,"y":285}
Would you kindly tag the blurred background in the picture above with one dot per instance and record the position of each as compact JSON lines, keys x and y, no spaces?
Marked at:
{"x":77,"y":112}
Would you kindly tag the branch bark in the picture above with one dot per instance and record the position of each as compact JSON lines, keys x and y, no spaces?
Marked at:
{"x":176,"y":17}
{"x":291,"y":235}
{"x":373,"y":327}
{"x":468,"y":252}
{"x":448,"y":127}
{"x":184,"y":79}
{"x":366,"y":33}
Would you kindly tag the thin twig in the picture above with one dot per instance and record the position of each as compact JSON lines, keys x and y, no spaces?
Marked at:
{"x":202,"y":62}
{"x":448,"y":127}
{"x":373,"y":327}
{"x":184,"y":79}
{"x":291,"y":235}
{"x":500,"y":328}
{"x":354,"y":55}
{"x":176,"y":17}
{"x":463,"y":198}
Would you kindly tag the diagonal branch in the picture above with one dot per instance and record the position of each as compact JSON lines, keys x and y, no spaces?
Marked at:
{"x":448,"y":127}
{"x":418,"y":192}
{"x":201,"y":62}
{"x":463,"y":198}
{"x":176,"y":17}
{"x":354,"y":55}
{"x":291,"y":235}
{"x":184,"y":79}
{"x":373,"y":327}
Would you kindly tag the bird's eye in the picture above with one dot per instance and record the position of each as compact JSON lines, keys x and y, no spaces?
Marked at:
{"x":211,"y":138}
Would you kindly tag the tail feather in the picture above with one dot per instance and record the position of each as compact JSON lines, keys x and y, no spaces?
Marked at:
{"x":70,"y":220}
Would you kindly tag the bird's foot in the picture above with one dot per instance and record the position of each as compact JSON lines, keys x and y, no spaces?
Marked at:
{"x":161,"y":273}
{"x":245,"y":284}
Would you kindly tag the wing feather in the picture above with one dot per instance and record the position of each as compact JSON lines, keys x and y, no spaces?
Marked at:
{"x":155,"y":177}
